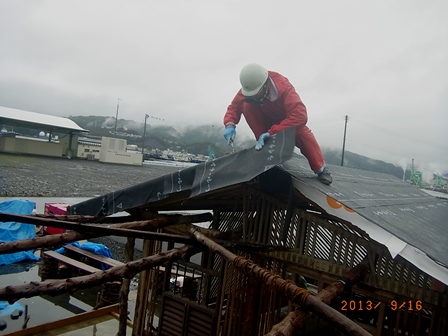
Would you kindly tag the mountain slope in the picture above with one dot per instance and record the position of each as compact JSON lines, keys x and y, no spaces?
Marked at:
{"x":197,"y":139}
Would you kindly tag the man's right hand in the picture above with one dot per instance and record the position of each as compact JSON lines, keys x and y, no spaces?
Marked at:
{"x":230,"y":134}
{"x":260,"y":142}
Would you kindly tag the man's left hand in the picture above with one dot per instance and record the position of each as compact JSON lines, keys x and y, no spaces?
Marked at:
{"x":260,"y":142}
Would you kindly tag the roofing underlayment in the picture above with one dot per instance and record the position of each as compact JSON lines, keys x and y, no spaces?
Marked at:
{"x":407,"y":220}
{"x":23,"y":118}
{"x":402,"y":217}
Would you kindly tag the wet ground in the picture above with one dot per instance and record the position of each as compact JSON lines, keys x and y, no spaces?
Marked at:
{"x":28,"y":176}
{"x":41,"y":180}
{"x":45,"y":308}
{"x":41,"y":309}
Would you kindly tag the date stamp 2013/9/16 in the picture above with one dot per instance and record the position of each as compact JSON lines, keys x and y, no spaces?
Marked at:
{"x":409,"y":305}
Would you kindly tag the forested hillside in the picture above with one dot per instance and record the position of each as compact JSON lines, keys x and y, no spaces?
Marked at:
{"x":196,"y":140}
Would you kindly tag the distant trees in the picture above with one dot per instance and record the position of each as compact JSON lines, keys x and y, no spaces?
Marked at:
{"x":354,"y":160}
{"x":195,"y":140}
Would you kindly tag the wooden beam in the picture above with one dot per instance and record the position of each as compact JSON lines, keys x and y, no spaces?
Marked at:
{"x":83,"y":231}
{"x":294,"y":293}
{"x":295,"y":319}
{"x":124,"y":291}
{"x":128,"y":270}
{"x":162,"y":221}
{"x":71,"y":236}
{"x":72,"y":262}
{"x":231,"y":235}
{"x":177,"y":230}
{"x":46,"y":241}
{"x":87,"y":219}
{"x":141,"y":302}
{"x":128,"y":322}
{"x":97,"y":257}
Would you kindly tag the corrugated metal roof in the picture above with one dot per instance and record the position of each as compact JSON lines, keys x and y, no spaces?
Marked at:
{"x":89,"y":141}
{"x":23,"y":118}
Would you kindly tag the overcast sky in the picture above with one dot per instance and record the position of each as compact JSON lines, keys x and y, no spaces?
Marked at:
{"x":382,"y":63}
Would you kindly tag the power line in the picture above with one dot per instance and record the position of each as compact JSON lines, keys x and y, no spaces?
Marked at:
{"x":152,"y":117}
{"x":380,"y":149}
{"x":345,"y":140}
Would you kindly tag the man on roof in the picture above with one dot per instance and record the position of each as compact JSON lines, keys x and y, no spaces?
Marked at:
{"x":270,"y":104}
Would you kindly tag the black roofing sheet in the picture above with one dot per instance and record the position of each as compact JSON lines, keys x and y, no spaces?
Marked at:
{"x":239,"y":167}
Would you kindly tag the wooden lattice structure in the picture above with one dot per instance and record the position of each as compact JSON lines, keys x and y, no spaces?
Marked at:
{"x":295,"y":240}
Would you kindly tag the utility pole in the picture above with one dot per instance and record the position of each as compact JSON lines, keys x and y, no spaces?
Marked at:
{"x":144,"y":134}
{"x":116,"y":116}
{"x":343,"y":142}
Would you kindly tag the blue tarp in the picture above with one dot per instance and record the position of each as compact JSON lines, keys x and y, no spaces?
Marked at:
{"x":92,"y":247}
{"x":12,"y":231}
{"x":6,"y":308}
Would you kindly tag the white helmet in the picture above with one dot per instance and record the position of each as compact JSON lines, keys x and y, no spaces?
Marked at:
{"x":252,"y":78}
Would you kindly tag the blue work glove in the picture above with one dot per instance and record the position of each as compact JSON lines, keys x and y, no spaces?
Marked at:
{"x":260,"y":142}
{"x":230,"y":134}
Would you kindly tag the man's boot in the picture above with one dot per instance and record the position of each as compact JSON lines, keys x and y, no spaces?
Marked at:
{"x":325,"y":177}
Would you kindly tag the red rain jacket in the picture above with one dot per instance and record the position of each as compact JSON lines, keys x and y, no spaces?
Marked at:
{"x":274,"y":116}
{"x":287,"y":110}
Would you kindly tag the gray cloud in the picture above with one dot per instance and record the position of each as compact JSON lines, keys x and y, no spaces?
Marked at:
{"x":383,"y":63}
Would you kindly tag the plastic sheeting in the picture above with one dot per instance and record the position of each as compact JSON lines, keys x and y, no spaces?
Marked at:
{"x":12,"y":231}
{"x":99,"y":249}
{"x":6,"y":308}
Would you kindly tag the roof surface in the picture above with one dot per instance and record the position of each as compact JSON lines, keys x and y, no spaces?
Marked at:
{"x":402,"y":217}
{"x":408,"y":213}
{"x":29,"y":119}
{"x":89,"y":141}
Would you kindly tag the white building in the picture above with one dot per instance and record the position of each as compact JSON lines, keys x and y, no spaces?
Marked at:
{"x":89,"y":148}
{"x":43,"y":123}
{"x":113,"y":150}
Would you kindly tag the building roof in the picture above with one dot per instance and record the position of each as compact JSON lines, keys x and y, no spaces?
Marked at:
{"x":89,"y":141}
{"x":408,"y":221}
{"x":21,"y":118}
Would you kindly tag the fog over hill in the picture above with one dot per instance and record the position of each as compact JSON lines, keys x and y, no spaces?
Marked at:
{"x":197,"y":139}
